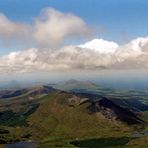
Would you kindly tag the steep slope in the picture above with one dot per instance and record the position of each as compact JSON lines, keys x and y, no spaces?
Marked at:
{"x":69,"y":113}
{"x":66,"y":114}
{"x":115,"y":112}
{"x":133,"y":99}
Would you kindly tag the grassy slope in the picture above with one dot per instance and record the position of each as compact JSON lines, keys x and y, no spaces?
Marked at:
{"x":55,"y":123}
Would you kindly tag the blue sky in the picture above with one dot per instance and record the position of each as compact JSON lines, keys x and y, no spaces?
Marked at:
{"x":115,"y":20}
{"x":118,"y":19}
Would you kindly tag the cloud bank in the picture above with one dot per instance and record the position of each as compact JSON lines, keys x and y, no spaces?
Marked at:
{"x":102,"y":55}
{"x":51,"y":29}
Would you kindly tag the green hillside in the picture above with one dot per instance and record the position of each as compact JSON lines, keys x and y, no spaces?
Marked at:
{"x":134,"y":99}
{"x":61,"y":119}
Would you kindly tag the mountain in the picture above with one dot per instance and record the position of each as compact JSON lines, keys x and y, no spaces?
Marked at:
{"x":133,"y":99}
{"x":100,"y":104}
{"x":63,"y":113}
{"x":59,"y":117}
{"x":31,"y":92}
{"x":112,"y":111}
{"x":74,"y":85}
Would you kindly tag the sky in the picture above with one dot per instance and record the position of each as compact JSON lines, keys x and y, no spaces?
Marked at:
{"x":95,"y":12}
{"x":73,"y":36}
{"x":116,"y":20}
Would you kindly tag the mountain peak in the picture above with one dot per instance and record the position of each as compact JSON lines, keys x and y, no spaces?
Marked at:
{"x":71,"y":81}
{"x":72,"y":85}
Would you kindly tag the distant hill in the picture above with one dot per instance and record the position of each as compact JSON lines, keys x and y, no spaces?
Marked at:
{"x":133,"y":99}
{"x":74,"y":85}
{"x":35,"y":91}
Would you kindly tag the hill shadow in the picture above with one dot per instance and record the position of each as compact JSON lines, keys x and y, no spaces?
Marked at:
{"x":101,"y":142}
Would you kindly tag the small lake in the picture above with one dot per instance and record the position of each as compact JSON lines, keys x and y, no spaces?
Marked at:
{"x":101,"y":142}
{"x":140,"y":134}
{"x":23,"y":144}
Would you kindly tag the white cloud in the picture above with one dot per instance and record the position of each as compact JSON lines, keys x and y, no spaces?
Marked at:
{"x":10,"y":32}
{"x":133,"y":49}
{"x":101,"y":46}
{"x":132,"y":55}
{"x":52,"y":27}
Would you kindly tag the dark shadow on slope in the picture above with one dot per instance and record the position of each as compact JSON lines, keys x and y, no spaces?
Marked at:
{"x":113,"y":111}
{"x":11,"y":118}
{"x":101,"y":142}
{"x":134,"y":104}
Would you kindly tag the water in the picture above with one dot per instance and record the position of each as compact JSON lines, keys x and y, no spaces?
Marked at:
{"x":21,"y":145}
{"x":140,"y":134}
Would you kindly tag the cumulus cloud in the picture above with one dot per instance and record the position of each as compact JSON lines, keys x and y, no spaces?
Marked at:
{"x":52,"y":27}
{"x":101,"y":46}
{"x":11,"y":31}
{"x":132,"y":55}
{"x":67,"y":58}
{"x":49,"y":29}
